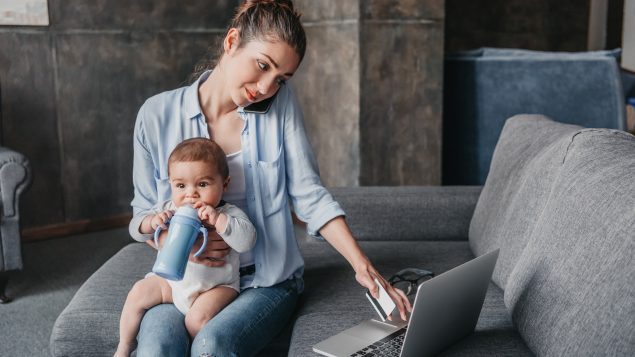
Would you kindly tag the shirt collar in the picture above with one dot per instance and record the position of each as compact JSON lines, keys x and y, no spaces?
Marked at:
{"x":191,"y":104}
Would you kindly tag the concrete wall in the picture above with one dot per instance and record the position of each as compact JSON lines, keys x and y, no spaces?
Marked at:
{"x":548,"y":25}
{"x":371,"y":89}
{"x":71,"y":91}
{"x":628,"y":40}
{"x":370,"y":85}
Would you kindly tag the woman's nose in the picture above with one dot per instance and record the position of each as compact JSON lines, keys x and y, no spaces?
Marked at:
{"x":265,"y":86}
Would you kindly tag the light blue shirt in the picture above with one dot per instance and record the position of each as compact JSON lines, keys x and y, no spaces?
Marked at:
{"x":279,"y":165}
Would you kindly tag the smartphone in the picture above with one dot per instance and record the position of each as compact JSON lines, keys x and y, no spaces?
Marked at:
{"x":262,"y":106}
{"x":384,"y":305}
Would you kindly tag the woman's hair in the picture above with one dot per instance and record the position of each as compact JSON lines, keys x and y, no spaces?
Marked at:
{"x":262,"y":20}
{"x":200,"y":149}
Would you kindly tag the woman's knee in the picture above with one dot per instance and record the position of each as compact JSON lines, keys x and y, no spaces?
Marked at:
{"x":162,"y":333}
{"x":217,"y":342}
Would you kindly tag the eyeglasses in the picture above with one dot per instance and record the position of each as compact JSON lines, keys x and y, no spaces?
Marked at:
{"x":407,"y":280}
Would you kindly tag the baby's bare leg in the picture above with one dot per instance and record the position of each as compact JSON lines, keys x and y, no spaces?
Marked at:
{"x":206,"y":306}
{"x":145,"y":294}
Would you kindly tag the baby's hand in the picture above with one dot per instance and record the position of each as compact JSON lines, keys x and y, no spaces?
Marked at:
{"x":207,"y":213}
{"x":161,"y":220}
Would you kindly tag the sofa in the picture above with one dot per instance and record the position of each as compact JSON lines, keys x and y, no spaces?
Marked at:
{"x":559,"y":203}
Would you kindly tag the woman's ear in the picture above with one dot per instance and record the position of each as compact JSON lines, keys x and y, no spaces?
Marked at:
{"x":231,"y":41}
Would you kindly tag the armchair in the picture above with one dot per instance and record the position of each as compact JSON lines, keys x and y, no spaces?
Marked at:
{"x":15,"y":176}
{"x":484,"y":87}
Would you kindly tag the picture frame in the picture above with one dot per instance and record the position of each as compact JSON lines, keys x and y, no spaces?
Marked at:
{"x":24,"y":13}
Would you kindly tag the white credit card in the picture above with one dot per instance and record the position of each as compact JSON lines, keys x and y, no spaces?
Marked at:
{"x":384,"y":305}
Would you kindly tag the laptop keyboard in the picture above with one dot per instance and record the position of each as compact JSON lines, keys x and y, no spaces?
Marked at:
{"x":387,"y":346}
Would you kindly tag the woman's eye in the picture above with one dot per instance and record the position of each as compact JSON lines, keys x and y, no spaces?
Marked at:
{"x":281,"y":82}
{"x":263,"y":66}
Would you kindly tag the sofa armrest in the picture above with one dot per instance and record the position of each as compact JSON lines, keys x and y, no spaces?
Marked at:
{"x":14,"y":178}
{"x":408,"y":212}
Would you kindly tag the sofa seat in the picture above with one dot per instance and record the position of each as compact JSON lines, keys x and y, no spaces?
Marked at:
{"x":332,"y":300}
{"x":329,"y":279}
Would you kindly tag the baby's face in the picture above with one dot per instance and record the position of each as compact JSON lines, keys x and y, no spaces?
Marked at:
{"x":195,"y":181}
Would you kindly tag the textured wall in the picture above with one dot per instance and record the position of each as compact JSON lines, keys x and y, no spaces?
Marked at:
{"x":370,"y":85}
{"x":371,"y":90}
{"x":71,"y":91}
{"x":547,"y":25}
{"x":401,"y":92}
{"x":328,"y":87}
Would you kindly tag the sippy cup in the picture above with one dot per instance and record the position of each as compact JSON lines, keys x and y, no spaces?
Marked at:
{"x":183,"y":230}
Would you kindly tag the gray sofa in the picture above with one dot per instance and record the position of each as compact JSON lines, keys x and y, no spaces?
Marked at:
{"x":558,"y":202}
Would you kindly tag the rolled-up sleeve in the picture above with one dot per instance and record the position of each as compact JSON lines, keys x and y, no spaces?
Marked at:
{"x":145,"y":190}
{"x":311,"y":201}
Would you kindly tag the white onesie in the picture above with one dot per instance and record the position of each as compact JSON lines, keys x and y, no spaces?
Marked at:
{"x":240,"y":235}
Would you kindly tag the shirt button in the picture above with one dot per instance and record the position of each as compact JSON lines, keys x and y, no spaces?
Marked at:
{"x":249,"y":164}
{"x":253,"y":198}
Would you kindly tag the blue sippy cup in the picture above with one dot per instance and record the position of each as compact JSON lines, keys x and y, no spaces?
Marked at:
{"x":182,"y":233}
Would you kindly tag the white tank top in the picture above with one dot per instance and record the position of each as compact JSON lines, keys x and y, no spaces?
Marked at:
{"x":235,"y":194}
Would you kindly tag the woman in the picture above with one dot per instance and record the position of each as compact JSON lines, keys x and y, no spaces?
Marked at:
{"x":245,"y":105}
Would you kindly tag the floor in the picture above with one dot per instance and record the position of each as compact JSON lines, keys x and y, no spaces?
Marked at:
{"x":53,"y":271}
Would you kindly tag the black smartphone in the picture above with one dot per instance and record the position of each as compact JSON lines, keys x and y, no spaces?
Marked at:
{"x":262,"y":106}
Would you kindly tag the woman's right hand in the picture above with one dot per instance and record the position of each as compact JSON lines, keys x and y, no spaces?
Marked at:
{"x":214,"y":253}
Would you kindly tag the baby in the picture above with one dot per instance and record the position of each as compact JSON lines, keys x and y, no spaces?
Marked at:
{"x":199,"y":175}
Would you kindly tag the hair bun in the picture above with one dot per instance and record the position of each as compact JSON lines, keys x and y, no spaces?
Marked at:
{"x":250,"y":3}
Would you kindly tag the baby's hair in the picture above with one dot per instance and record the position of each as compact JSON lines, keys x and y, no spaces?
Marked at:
{"x":200,"y":149}
{"x":263,"y":20}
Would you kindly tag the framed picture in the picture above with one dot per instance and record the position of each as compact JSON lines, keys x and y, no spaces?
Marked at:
{"x":24,"y":12}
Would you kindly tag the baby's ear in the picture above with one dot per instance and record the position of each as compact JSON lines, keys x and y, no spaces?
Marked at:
{"x":226,"y":183}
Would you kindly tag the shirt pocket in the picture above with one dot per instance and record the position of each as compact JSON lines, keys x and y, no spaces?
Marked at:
{"x":272,"y":184}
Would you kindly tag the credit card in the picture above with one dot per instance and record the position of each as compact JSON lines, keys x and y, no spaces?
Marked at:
{"x":384,"y":305}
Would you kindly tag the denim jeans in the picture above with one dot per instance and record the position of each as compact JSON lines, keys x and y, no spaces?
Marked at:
{"x":242,"y":328}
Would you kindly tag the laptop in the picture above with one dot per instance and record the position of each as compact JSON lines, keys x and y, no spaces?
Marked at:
{"x":446,"y":309}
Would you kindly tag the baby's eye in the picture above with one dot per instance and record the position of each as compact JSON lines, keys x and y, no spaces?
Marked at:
{"x":203,"y":184}
{"x":263,"y":66}
{"x":180,"y":185}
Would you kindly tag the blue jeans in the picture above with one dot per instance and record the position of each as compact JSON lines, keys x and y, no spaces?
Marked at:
{"x":242,"y":328}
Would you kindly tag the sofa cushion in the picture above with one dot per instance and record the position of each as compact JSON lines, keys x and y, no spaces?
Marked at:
{"x":89,"y":325}
{"x":573,"y":290}
{"x":334,"y":301}
{"x":408,"y":212}
{"x":528,"y":155}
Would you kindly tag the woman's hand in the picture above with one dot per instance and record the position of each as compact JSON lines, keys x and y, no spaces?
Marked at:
{"x":214,"y":253}
{"x":337,"y":232}
{"x":365,"y":275}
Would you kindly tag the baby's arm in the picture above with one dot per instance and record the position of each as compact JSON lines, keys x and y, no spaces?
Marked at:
{"x":231,"y":223}
{"x":239,"y":232}
{"x":152,"y":221}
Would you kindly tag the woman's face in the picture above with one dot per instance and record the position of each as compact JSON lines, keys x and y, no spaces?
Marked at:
{"x":256,"y":71}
